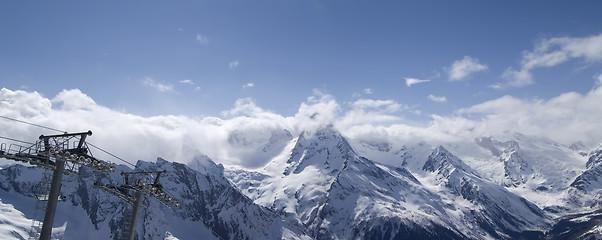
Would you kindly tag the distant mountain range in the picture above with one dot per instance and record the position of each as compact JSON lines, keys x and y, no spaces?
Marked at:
{"x":320,"y":185}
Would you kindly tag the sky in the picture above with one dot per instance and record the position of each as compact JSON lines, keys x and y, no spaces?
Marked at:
{"x":435,"y":69}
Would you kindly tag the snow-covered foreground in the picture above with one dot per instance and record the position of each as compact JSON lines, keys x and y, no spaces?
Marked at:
{"x":13,"y":223}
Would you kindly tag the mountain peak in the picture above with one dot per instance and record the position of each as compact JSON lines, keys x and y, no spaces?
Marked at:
{"x":322,"y":132}
{"x":441,"y":160}
{"x":595,"y":158}
{"x":325,"y":149}
{"x":203,"y":164}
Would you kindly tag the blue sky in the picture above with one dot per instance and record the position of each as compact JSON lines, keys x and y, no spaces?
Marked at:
{"x":196,"y":58}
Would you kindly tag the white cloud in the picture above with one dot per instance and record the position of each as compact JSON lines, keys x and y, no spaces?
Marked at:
{"x":599,"y":80}
{"x":72,"y":99}
{"x":202,"y":39}
{"x":515,"y":78}
{"x":551,"y":52}
{"x":248,"y":85}
{"x":412,"y":81}
{"x":187,"y":81}
{"x":388,"y":105}
{"x":158,"y":86}
{"x":565,"y":118}
{"x":132,"y":137}
{"x":22,"y":104}
{"x":462,"y":69}
{"x":371,"y":112}
{"x":247,"y":107}
{"x":318,"y":110}
{"x":233,"y":64}
{"x":437,"y":98}
{"x":366,"y":91}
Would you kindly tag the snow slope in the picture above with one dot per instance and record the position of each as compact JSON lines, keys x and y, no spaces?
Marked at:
{"x":336,"y":193}
{"x":211,"y":208}
{"x":319,"y":185}
{"x":13,"y":223}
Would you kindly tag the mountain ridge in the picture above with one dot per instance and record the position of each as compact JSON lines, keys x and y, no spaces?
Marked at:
{"x":320,"y":185}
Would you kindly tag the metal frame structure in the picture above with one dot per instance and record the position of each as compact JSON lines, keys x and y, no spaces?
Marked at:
{"x":136,"y":185}
{"x":56,"y":152}
{"x":65,"y":154}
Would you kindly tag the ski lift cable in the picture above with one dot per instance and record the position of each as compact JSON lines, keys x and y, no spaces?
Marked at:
{"x":61,"y":131}
{"x":32,"y":124}
{"x":112,"y":155}
{"x":15,"y":140}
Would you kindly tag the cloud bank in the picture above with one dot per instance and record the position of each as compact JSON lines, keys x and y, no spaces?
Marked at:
{"x":566,"y":118}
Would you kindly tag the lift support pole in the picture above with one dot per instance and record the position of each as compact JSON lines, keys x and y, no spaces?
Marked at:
{"x":53,"y":197}
{"x":54,"y":152}
{"x":136,"y":210}
{"x":133,"y":191}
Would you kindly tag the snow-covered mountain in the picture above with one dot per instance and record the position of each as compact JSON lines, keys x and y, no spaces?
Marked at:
{"x":211,"y":208}
{"x":256,"y":147}
{"x":336,"y":193}
{"x":499,"y":212}
{"x":591,"y":179}
{"x":320,"y":185}
{"x":578,"y":226}
{"x":586,"y":190}
{"x":534,"y":168}
{"x":517,"y":170}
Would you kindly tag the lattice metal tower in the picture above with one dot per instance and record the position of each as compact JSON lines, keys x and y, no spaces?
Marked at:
{"x":136,"y":185}
{"x":63,"y":154}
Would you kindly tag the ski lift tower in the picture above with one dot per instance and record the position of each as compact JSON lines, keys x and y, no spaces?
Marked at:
{"x":55,"y":152}
{"x":136,"y":185}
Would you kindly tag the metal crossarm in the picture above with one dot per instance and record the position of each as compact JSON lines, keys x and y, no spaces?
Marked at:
{"x":118,"y":191}
{"x":45,"y":152}
{"x":138,"y":182}
{"x":136,"y":185}
{"x":63,"y":154}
